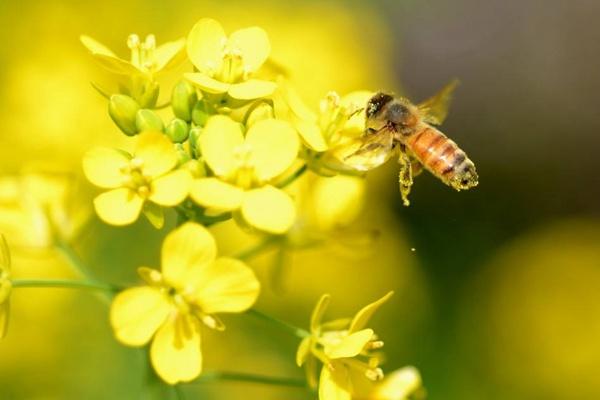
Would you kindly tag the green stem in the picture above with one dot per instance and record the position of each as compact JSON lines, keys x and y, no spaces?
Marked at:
{"x":297,"y":174}
{"x":73,"y":259}
{"x":257,"y":249}
{"x":63,"y":283}
{"x":242,"y":377}
{"x":298,"y":332}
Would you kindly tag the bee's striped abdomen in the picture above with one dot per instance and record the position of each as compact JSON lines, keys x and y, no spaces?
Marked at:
{"x":442,"y":157}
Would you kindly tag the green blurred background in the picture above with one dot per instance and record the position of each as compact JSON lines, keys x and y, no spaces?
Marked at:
{"x":497,"y":288}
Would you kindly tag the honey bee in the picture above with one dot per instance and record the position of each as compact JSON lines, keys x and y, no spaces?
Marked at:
{"x":395,"y":125}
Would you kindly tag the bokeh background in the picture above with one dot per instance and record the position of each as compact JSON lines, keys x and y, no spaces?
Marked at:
{"x":497,"y":288}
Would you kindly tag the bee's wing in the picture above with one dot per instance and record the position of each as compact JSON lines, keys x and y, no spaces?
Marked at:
{"x":435,"y":109}
{"x":371,"y":150}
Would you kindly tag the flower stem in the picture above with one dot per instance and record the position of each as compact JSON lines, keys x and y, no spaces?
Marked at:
{"x":299,"y":332}
{"x":63,"y":283}
{"x":243,"y":377}
{"x":73,"y":259}
{"x":297,"y":174}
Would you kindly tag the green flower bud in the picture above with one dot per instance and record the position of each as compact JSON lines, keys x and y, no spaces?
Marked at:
{"x":196,"y":167}
{"x":149,"y":95}
{"x":183,"y":99}
{"x":177,"y":130}
{"x":148,"y":120}
{"x":123,"y":110}
{"x":183,"y":156}
{"x":261,"y":111}
{"x":194,"y":135}
{"x":200,"y":113}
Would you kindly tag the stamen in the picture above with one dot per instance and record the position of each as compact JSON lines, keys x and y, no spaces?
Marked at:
{"x":377,"y":344}
{"x":374,"y":374}
{"x":133,"y":41}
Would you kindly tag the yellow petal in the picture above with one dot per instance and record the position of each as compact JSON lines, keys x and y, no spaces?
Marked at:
{"x":136,"y":314}
{"x":175,"y":352}
{"x":216,"y":195}
{"x":156,"y":152}
{"x":334,"y":385}
{"x":296,"y":104}
{"x":337,"y":201}
{"x":311,"y":135}
{"x":103,"y":167}
{"x":205,"y":45}
{"x":303,"y":351}
{"x":252,"y":89}
{"x":169,"y":54}
{"x":206,"y":83}
{"x":269,"y":209}
{"x":171,"y":189}
{"x":96,"y":47}
{"x":219,"y":141}
{"x":254,"y":45}
{"x":186,"y":250}
{"x":318,"y":312}
{"x":226,"y":285}
{"x":5,"y":260}
{"x":350,"y":346}
{"x":364,"y":315}
{"x":356,"y":102}
{"x":118,"y":206}
{"x":274,"y":147}
{"x":398,"y":385}
{"x":106,"y":58}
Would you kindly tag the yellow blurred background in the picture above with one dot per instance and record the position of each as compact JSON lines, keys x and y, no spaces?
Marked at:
{"x":497,"y":289}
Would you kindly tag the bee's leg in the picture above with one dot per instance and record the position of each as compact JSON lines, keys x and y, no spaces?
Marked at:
{"x":417,"y":167}
{"x":406,"y":175}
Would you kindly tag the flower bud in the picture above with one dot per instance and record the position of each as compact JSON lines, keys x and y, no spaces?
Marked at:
{"x":177,"y":130}
{"x":122,"y":110}
{"x":196,"y":167}
{"x":183,"y":99}
{"x":148,"y":120}
{"x":262,"y":111}
{"x":183,"y":156}
{"x":195,"y":133}
{"x":149,"y":95}
{"x":200,"y":114}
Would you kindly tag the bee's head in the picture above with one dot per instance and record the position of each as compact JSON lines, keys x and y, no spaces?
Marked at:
{"x":376,"y":104}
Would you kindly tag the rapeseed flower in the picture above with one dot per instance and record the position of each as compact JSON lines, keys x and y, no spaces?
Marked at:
{"x":402,"y":384}
{"x":345,"y":347}
{"x":243,"y":167}
{"x":225,"y":64}
{"x":5,"y":286}
{"x":192,"y":286}
{"x":145,"y":180}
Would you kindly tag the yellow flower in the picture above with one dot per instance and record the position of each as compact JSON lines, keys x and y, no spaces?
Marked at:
{"x":145,"y":180}
{"x":191,"y":287}
{"x":402,"y":384}
{"x":337,"y":119}
{"x":345,"y":347}
{"x":243,"y":166}
{"x":225,"y":64}
{"x":146,"y":58}
{"x":5,"y":285}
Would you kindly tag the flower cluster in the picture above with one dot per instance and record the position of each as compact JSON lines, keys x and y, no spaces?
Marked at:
{"x":236,"y":141}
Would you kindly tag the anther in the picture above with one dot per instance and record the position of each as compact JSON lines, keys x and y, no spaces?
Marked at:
{"x":376,"y":344}
{"x":374,"y":374}
{"x":133,"y":41}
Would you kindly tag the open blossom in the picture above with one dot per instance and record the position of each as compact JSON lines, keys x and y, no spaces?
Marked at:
{"x":243,"y":167}
{"x":145,"y":178}
{"x":192,"y":286}
{"x":345,"y":348}
{"x":5,"y":285}
{"x":402,"y":384}
{"x":226,"y":64}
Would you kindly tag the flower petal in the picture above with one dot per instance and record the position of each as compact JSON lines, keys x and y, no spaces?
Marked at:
{"x":95,"y":47}
{"x":398,"y":385}
{"x":252,"y":89}
{"x":318,"y":312}
{"x":106,"y":58}
{"x":205,"y":45}
{"x":169,"y":54}
{"x":186,"y":250}
{"x":349,"y":346}
{"x":206,"y":83}
{"x":218,"y":143}
{"x":269,"y":209}
{"x":274,"y":147}
{"x":136,"y":314}
{"x":172,"y":188}
{"x":364,"y":315}
{"x":334,"y":384}
{"x":303,"y":351}
{"x":216,"y":195}
{"x":103,"y":167}
{"x":175,"y":352}
{"x":337,"y":200}
{"x":254,"y":45}
{"x":311,"y":135}
{"x":118,"y":206}
{"x":353,"y":102}
{"x":226,"y":285}
{"x":157,"y":153}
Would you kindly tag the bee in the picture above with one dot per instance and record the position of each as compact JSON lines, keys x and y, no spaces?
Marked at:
{"x":396,"y":126}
